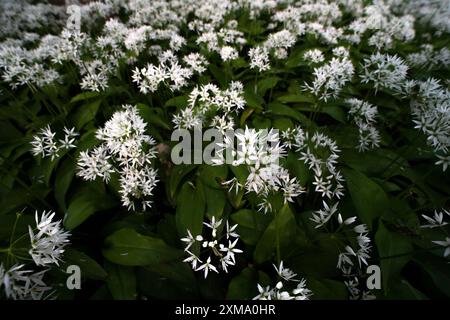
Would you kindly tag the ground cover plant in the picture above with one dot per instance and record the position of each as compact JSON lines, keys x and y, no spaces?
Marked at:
{"x":335,"y":184}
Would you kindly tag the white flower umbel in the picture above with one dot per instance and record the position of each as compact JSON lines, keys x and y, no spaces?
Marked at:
{"x":211,"y":106}
{"x":127,"y":150}
{"x":320,"y":154}
{"x":363,"y":114}
{"x":19,"y":284}
{"x":384,"y":71}
{"x":330,"y":79}
{"x":217,"y":250}
{"x":259,"y":59}
{"x":48,"y":239}
{"x":260,"y":151}
{"x":279,"y":292}
{"x":45,"y":144}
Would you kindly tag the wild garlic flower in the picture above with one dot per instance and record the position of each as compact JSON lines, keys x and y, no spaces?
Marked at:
{"x":20,"y":284}
{"x":259,"y":59}
{"x":363,"y":114}
{"x":48,"y":239}
{"x":279,"y":292}
{"x":384,"y":71}
{"x":320,"y":154}
{"x":260,"y":152}
{"x":430,"y":107}
{"x":208,"y":105}
{"x":214,"y":251}
{"x":45,"y":144}
{"x":330,"y":78}
{"x":127,"y":150}
{"x":314,"y":56}
{"x":437,"y":220}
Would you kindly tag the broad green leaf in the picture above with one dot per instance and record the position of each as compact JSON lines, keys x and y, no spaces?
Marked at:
{"x":368,"y":197}
{"x":90,"y":269}
{"x":244,"y":285}
{"x":64,"y":176}
{"x":438,"y":269}
{"x":266,"y":84}
{"x":190,"y":209}
{"x":121,"y":282}
{"x":129,"y":248}
{"x":251,"y":225}
{"x":326,"y":289}
{"x":84,"y":204}
{"x":278,"y":233}
{"x":394,"y":251}
{"x":85,"y":113}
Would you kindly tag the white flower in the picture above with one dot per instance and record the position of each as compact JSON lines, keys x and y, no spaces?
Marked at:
{"x":228,"y":53}
{"x":22,"y":284}
{"x":285,"y":273}
{"x":259,"y":59}
{"x":445,"y":244}
{"x":207,"y":266}
{"x":436,"y":221}
{"x":384,"y":70}
{"x":217,"y":249}
{"x":47,"y":244}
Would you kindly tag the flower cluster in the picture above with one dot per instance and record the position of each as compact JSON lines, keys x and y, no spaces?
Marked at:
{"x":127,"y":150}
{"x":211,"y":106}
{"x":259,"y":151}
{"x":330,"y":79}
{"x":437,"y":221}
{"x":363,"y":114}
{"x":48,"y":240}
{"x":384,"y":71}
{"x":320,"y":154}
{"x":216,"y":250}
{"x":45,"y":144}
{"x":279,"y":292}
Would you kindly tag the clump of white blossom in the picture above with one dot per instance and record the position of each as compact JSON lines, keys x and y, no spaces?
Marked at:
{"x":210,"y":106}
{"x":48,"y":239}
{"x":259,"y":151}
{"x":363,"y":114}
{"x":127,"y":150}
{"x":287,"y":278}
{"x":45,"y":143}
{"x":213,"y":250}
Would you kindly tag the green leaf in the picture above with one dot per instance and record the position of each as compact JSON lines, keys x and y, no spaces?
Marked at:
{"x":153,"y":116}
{"x":289,"y":98}
{"x":129,"y":248}
{"x":90,"y":269}
{"x":280,"y":231}
{"x":85,"y":96}
{"x":244,"y":285}
{"x":215,"y":202}
{"x":86,"y":113}
{"x":212,"y":175}
{"x":280,"y":109}
{"x":179,"y":102}
{"x":177,"y":175}
{"x":326,"y":289}
{"x":253,"y":100}
{"x":368,"y":197}
{"x":266,"y":84}
{"x":84,"y":204}
{"x":121,"y":282}
{"x":392,"y":248}
{"x":251,"y":225}
{"x":190,"y":209}
{"x":438,"y":270}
